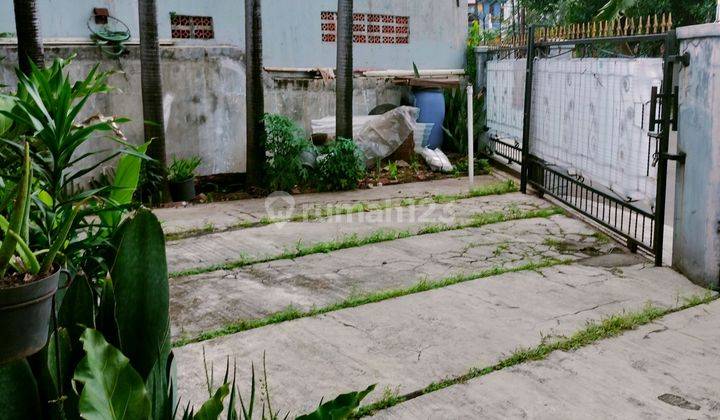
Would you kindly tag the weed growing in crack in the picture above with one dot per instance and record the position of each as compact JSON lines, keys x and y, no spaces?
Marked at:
{"x":354,"y":240}
{"x":594,"y":331}
{"x":501,"y":249}
{"x":292,"y":313}
{"x":321,"y":213}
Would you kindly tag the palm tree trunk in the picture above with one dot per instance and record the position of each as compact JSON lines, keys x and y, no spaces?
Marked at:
{"x":254,"y":97}
{"x":344,"y":76}
{"x":27,"y":26}
{"x":152,"y":93}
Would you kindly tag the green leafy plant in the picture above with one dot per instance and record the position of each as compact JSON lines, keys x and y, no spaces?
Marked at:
{"x":342,"y":407}
{"x":340,"y":166}
{"x":456,"y":115}
{"x":284,"y":144}
{"x":122,"y":368}
{"x":482,"y":166}
{"x":15,"y":232}
{"x":182,"y":169}
{"x":44,"y":112}
{"x":393,"y":170}
{"x":130,"y":312}
{"x":414,"y":164}
{"x":6,"y":104}
{"x":477,"y":36}
{"x":112,"y":389}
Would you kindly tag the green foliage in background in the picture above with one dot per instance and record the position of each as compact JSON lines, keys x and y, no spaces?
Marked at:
{"x":340,"y":166}
{"x":476,"y":36}
{"x":685,"y":12}
{"x":284,"y":144}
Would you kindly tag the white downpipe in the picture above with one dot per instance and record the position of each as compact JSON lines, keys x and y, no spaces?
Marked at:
{"x":717,"y":12}
{"x":471,"y":140}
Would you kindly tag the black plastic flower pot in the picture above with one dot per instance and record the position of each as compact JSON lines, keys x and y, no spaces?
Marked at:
{"x":183,"y":190}
{"x":25,"y":313}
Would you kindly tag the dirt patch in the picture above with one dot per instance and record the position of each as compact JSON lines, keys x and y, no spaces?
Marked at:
{"x":624,"y":259}
{"x":231,"y":187}
{"x":15,"y":279}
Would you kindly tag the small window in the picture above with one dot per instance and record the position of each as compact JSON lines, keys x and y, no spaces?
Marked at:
{"x":191,"y":27}
{"x":369,"y":28}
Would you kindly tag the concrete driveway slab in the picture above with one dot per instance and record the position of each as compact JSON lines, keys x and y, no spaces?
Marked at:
{"x":271,"y":240}
{"x":209,"y":301}
{"x":223,"y":215}
{"x":668,"y":369}
{"x":406,"y":343}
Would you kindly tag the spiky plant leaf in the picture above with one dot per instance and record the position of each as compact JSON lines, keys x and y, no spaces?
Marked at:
{"x":339,"y":408}
{"x":140,"y":283}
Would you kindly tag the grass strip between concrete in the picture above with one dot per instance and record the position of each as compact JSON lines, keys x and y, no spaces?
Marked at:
{"x":385,"y":235}
{"x":594,"y":331}
{"x":351,"y":302}
{"x":319,"y":213}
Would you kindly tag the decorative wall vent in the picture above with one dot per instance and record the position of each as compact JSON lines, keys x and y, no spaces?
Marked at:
{"x":369,"y":28}
{"x":191,"y":27}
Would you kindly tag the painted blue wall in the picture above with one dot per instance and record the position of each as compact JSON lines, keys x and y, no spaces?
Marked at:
{"x":292,"y":33}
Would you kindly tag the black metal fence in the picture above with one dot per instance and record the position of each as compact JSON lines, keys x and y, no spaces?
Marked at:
{"x":641,"y":228}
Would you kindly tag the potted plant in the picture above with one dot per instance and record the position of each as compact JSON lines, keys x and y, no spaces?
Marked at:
{"x":181,"y":175}
{"x":28,"y":280}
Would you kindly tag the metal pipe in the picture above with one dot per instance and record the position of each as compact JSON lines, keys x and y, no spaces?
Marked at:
{"x":471,"y":139}
{"x":525,"y":171}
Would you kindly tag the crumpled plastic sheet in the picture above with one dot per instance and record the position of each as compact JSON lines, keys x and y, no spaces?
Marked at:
{"x":380,"y":137}
{"x":377,"y":136}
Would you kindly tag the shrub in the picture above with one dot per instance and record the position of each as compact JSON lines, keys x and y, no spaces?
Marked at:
{"x":340,"y":166}
{"x":456,"y":115}
{"x":183,"y":169}
{"x":284,"y":143}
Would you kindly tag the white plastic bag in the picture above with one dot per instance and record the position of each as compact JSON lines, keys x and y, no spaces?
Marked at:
{"x":436,"y":159}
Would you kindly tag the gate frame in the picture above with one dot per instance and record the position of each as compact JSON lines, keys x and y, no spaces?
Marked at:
{"x":533,"y":170}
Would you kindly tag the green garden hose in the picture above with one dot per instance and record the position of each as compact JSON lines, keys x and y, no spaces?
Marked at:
{"x":110,"y":41}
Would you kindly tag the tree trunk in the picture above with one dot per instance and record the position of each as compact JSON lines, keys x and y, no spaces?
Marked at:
{"x":152,"y":93}
{"x":344,"y":76}
{"x":27,"y":26}
{"x":254,"y":96}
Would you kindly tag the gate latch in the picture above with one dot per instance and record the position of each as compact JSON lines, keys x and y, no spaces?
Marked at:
{"x":683,"y":59}
{"x":657,"y":101}
{"x":679,"y":157}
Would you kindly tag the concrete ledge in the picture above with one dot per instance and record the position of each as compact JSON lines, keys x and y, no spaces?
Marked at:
{"x":196,"y":53}
{"x":706,"y":30}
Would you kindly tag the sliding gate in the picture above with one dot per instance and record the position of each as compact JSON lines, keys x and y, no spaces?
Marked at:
{"x":593,"y":131}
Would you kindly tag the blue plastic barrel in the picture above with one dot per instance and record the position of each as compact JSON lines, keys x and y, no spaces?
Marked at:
{"x":432,"y":110}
